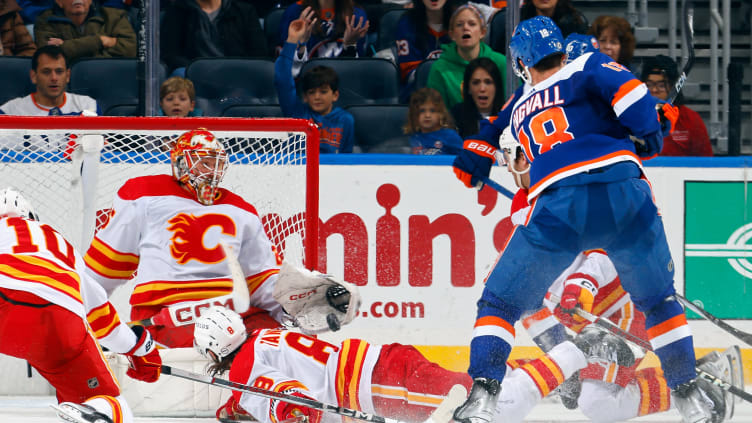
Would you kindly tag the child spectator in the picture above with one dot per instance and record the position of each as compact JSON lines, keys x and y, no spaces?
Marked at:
{"x":418,"y":37}
{"x":690,"y":136}
{"x":177,"y":97}
{"x":481,"y":96}
{"x":467,"y":28}
{"x":319,"y":86}
{"x":210,"y":28}
{"x":430,"y":125}
{"x":341,"y":30}
{"x":615,"y":37}
{"x":15,"y":39}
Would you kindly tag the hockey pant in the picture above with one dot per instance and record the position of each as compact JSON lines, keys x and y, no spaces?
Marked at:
{"x":619,"y":217}
{"x":58,"y":344}
{"x":604,"y":402}
{"x":182,"y":336}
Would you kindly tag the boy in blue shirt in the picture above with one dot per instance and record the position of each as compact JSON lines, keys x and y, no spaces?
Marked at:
{"x":320,"y":90}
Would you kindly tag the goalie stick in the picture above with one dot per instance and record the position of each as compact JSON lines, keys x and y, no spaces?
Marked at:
{"x":442,"y":414}
{"x":645,"y":345}
{"x":739,"y":334}
{"x":239,"y":298}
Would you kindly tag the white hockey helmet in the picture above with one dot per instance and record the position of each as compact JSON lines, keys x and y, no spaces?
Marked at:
{"x":199,"y":161}
{"x":12,"y":203}
{"x":220,"y":331}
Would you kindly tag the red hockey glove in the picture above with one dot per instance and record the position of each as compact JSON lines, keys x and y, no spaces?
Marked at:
{"x":283,"y":410}
{"x":145,"y":362}
{"x":578,"y":292}
{"x":231,"y":410}
{"x":474,"y":162}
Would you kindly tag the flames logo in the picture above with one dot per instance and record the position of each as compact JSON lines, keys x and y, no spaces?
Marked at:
{"x":188,"y":237}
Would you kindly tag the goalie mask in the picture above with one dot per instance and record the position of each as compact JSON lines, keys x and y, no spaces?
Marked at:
{"x":220,"y":331}
{"x":13,"y":204}
{"x":199,"y":163}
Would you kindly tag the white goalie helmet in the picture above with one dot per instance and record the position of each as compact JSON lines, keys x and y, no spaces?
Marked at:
{"x":220,"y":331}
{"x":199,"y":161}
{"x":12,"y":203}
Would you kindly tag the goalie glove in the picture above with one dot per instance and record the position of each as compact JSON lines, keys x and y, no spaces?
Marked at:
{"x":144,"y":361}
{"x":314,"y":301}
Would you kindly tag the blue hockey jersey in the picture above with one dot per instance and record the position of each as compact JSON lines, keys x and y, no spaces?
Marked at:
{"x":578,"y":120}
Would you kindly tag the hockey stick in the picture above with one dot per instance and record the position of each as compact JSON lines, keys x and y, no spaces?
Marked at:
{"x":184,"y":313}
{"x":645,"y":345}
{"x":454,"y":398}
{"x":739,"y":334}
{"x":688,"y":32}
{"x":496,"y":186}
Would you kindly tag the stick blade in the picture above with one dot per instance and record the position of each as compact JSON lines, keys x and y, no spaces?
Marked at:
{"x":445,"y":411}
{"x":241,"y":296}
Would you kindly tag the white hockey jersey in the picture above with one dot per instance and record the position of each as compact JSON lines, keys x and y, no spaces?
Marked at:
{"x":280,"y":360}
{"x":159,"y":229}
{"x":35,"y":258}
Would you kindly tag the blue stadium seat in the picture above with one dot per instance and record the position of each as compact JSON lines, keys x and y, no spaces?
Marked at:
{"x":378,"y":128}
{"x":121,"y":110}
{"x":15,"y":81}
{"x":110,"y":81}
{"x":253,"y":110}
{"x":388,"y":27}
{"x":365,"y":80}
{"x":421,"y":73}
{"x":224,"y":82}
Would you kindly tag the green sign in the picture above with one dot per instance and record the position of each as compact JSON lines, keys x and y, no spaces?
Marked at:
{"x":718,"y":248}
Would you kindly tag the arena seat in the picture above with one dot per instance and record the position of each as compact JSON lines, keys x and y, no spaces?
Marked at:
{"x":421,"y":73}
{"x":253,"y":110}
{"x":388,"y":27}
{"x":224,"y":82}
{"x":497,"y":36}
{"x":378,"y":128}
{"x":121,"y":110}
{"x":364,"y":80}
{"x":15,"y":81}
{"x":271,"y":29}
{"x":110,"y":81}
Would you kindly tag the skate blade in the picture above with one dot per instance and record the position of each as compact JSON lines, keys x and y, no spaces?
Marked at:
{"x":445,"y":410}
{"x":67,"y":414}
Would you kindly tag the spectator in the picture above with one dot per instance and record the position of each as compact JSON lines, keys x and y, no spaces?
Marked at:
{"x":467,"y":28}
{"x":341,"y":30}
{"x":210,"y":28}
{"x":319,"y":86}
{"x":15,"y":39}
{"x":83,"y":30}
{"x":690,"y":136}
{"x":615,"y":37}
{"x":430,"y":125}
{"x":50,"y":73}
{"x":418,"y":37}
{"x":479,"y":96}
{"x":177,"y":97}
{"x":30,"y":9}
{"x":562,"y":12}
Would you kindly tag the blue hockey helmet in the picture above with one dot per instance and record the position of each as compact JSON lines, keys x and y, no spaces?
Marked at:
{"x":534,"y":39}
{"x":575,"y":45}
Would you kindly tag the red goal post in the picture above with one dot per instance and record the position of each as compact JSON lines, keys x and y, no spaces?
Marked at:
{"x":70,"y":168}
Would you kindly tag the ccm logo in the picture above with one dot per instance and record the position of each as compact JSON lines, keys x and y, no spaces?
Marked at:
{"x":481,"y":148}
{"x":302,"y":296}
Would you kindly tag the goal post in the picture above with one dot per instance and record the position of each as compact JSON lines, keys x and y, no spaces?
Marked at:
{"x":70,"y":168}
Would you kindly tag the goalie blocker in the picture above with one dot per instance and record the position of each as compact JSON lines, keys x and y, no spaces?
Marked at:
{"x":315,"y":302}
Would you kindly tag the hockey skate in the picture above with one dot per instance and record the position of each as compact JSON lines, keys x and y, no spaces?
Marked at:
{"x":600,"y":346}
{"x":79,"y":413}
{"x":480,"y":405}
{"x":699,"y":400}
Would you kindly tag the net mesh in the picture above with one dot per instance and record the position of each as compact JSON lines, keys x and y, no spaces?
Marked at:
{"x":267,"y":168}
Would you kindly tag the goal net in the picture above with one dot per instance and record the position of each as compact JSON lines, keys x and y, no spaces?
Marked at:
{"x":70,"y":168}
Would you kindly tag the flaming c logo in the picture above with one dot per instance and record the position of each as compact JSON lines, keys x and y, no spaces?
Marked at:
{"x":188,"y":238}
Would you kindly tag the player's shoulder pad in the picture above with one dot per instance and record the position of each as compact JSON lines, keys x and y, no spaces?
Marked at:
{"x":150,"y":186}
{"x":598,"y":60}
{"x":230,"y":198}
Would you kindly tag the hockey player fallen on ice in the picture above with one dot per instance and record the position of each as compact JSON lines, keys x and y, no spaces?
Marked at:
{"x":585,"y":129}
{"x":55,"y":317}
{"x":169,"y":229}
{"x":354,"y":374}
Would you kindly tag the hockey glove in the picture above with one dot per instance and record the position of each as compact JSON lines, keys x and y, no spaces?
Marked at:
{"x":232,"y":411}
{"x":474,"y":163}
{"x":667,"y":115}
{"x":145,"y":364}
{"x":283,"y":410}
{"x":577,"y":293}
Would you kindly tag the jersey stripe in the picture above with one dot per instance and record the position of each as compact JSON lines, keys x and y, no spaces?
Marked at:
{"x":106,"y":261}
{"x":169,"y":292}
{"x":545,"y":373}
{"x":628,"y":94}
{"x":254,"y":282}
{"x":43,"y":271}
{"x":669,"y":331}
{"x":103,"y":320}
{"x":349,"y":366}
{"x":494,"y":326}
{"x":401,"y":393}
